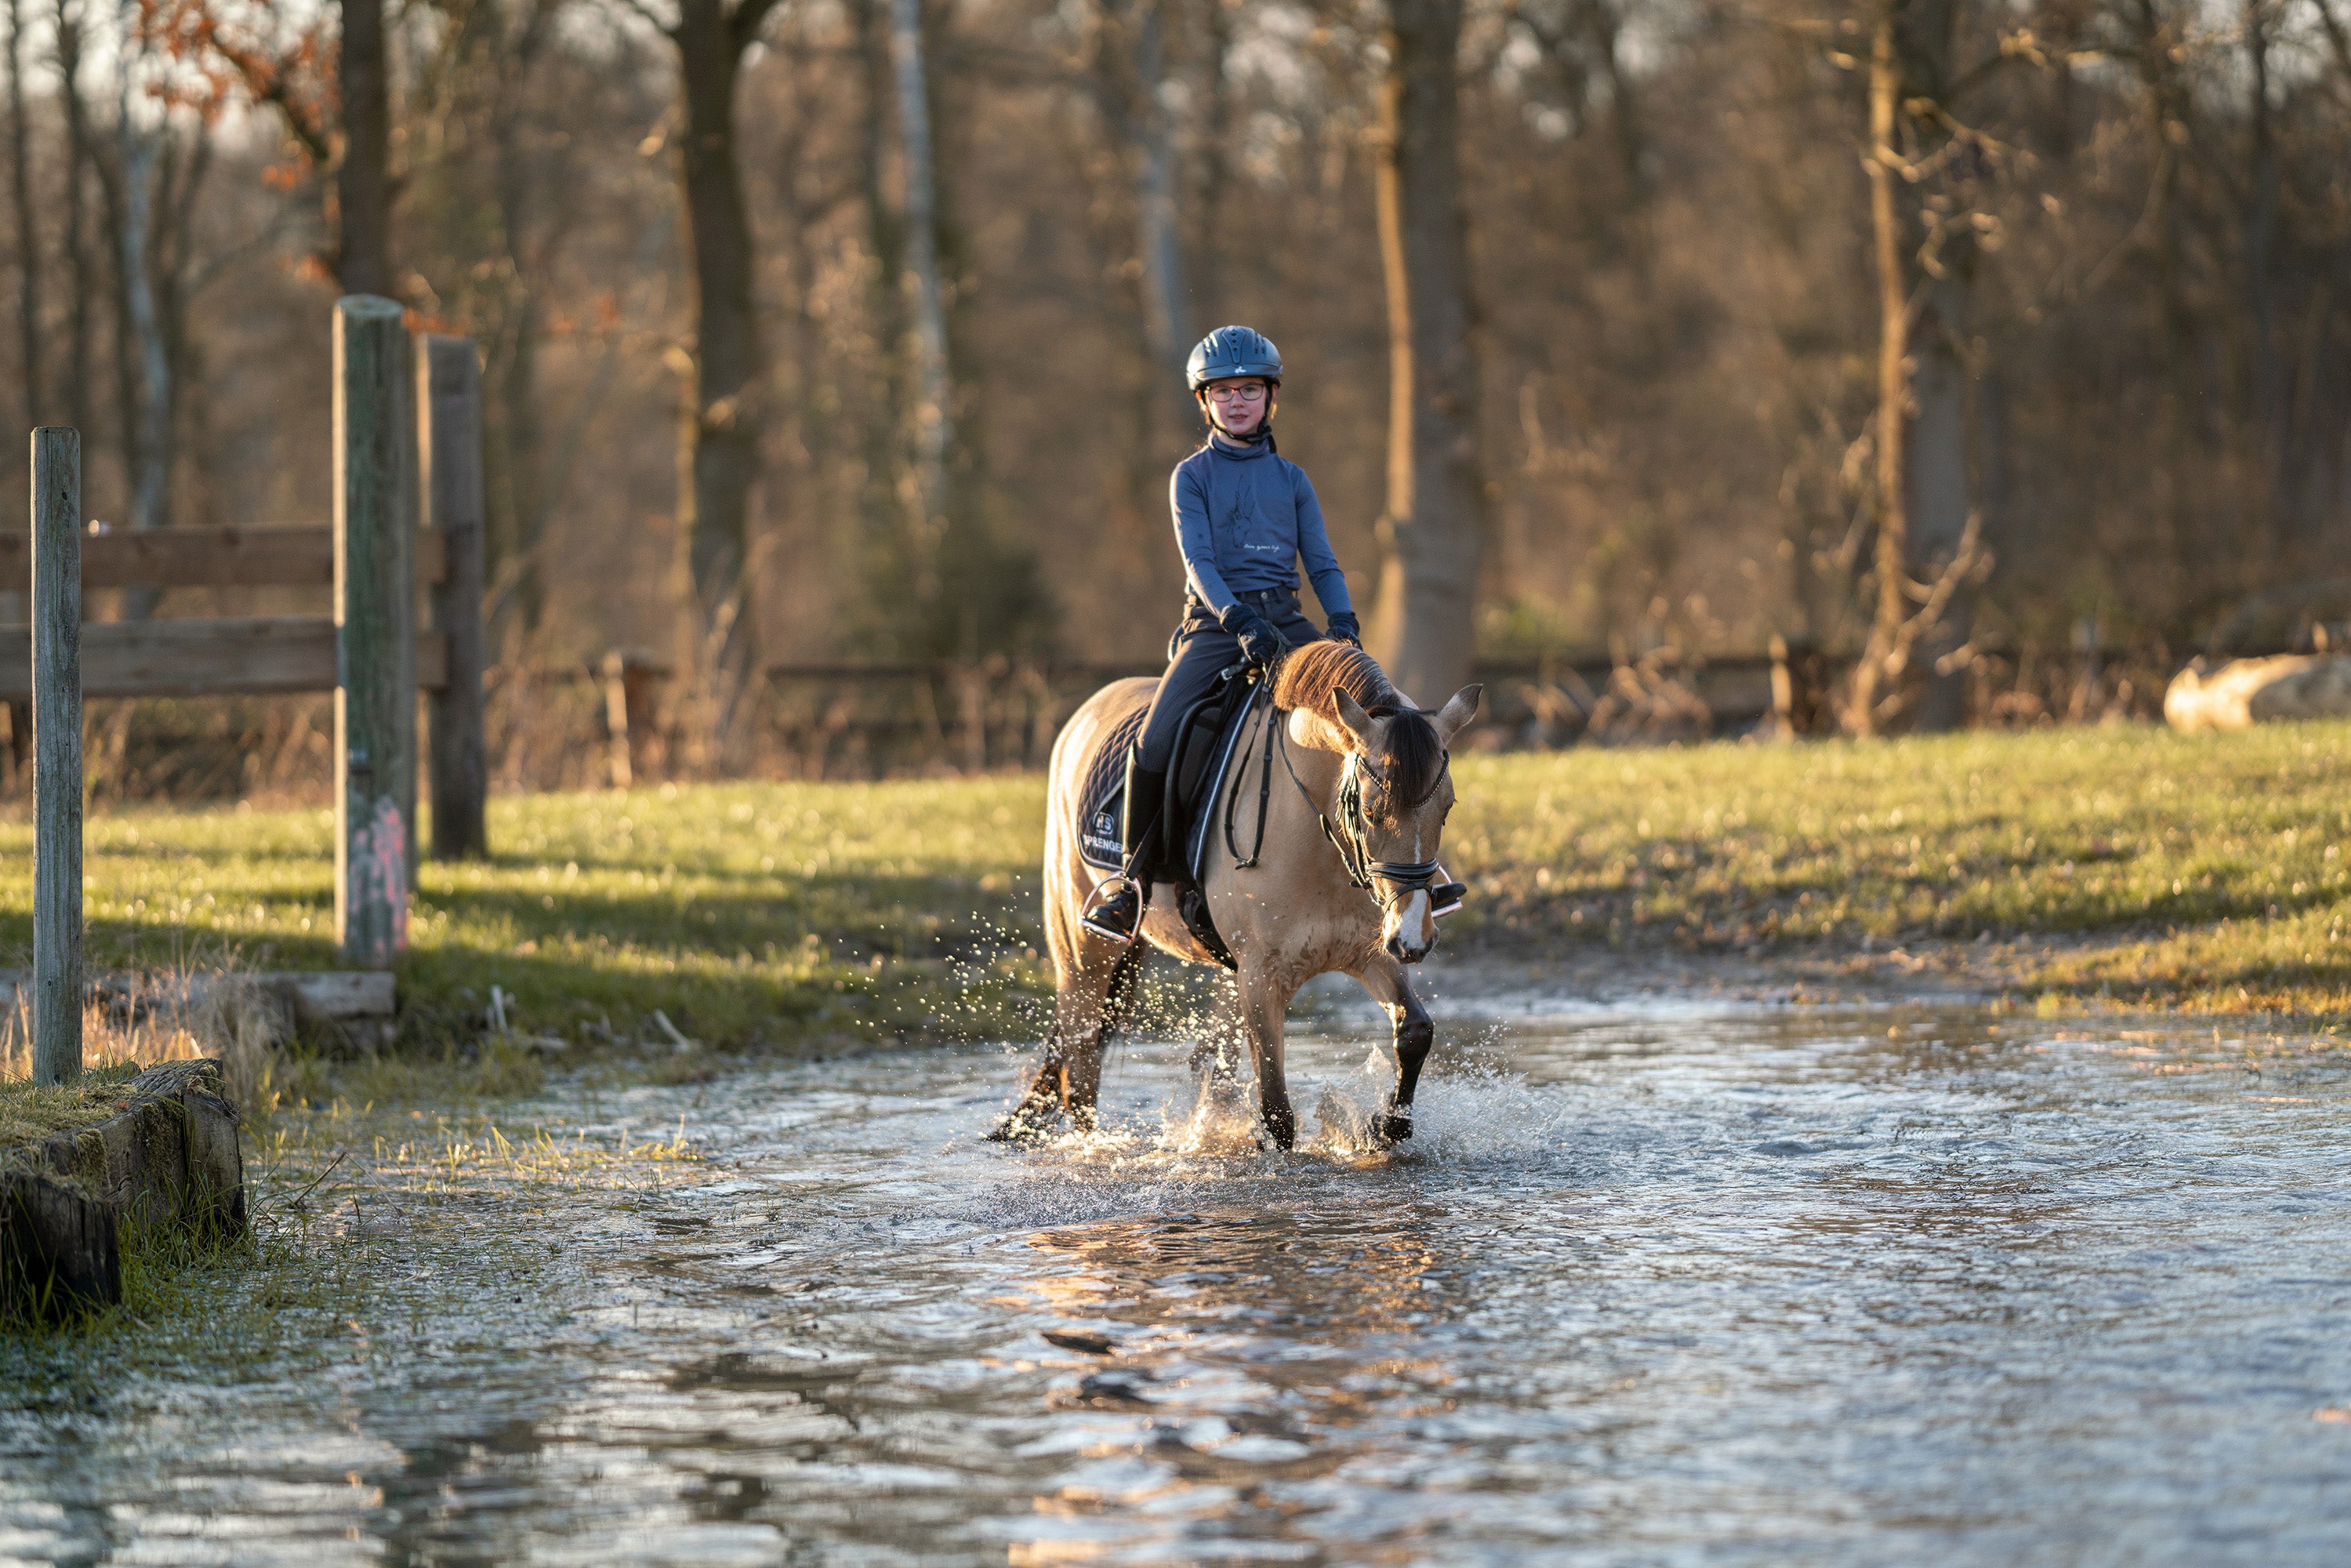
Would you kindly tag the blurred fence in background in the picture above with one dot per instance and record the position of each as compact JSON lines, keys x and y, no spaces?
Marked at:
{"x":608,"y":722}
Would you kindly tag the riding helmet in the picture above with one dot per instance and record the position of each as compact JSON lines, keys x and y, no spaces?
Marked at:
{"x":1233,"y":351}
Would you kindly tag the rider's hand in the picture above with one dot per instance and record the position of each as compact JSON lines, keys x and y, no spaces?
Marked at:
{"x":1262,"y":646}
{"x":1345,"y":628}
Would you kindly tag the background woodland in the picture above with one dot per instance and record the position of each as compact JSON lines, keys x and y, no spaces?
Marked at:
{"x":1921,"y":330}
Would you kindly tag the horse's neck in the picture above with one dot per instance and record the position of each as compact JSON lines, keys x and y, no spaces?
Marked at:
{"x":1257,"y":772}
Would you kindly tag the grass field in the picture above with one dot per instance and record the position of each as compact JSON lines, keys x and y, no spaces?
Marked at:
{"x":2213,"y":870}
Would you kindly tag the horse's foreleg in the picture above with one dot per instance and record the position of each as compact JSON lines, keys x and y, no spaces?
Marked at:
{"x":1383,"y":977}
{"x":1265,"y":1007}
{"x":1215,"y":1062}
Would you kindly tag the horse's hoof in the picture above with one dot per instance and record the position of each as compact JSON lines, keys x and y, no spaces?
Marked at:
{"x":1014,"y":1129}
{"x":1283,"y":1128}
{"x":1395,"y":1126}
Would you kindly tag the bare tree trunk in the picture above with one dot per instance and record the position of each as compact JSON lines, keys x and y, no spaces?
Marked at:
{"x":933,"y":411}
{"x":889,"y":519}
{"x":363,"y":180}
{"x":1871,"y":674}
{"x":1167,"y":288}
{"x":1132,"y":70}
{"x":719,"y":428}
{"x":1212,"y":167}
{"x":1434,"y":528}
{"x":28,"y":232}
{"x":77,"y":216}
{"x":1911,"y":669}
{"x":2261,"y":244}
{"x":518,"y":518}
{"x":146,"y":441}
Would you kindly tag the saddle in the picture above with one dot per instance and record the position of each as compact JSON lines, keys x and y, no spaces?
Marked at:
{"x":1206,"y":739}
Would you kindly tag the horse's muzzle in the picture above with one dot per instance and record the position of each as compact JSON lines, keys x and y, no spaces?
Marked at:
{"x":1413,"y":916}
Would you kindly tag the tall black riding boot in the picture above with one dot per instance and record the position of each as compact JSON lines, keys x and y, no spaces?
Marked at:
{"x":1115,"y":908}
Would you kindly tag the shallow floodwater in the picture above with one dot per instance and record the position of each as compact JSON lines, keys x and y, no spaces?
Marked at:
{"x":1662,"y":1281}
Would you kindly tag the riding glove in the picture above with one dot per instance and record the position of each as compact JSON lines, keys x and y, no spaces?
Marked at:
{"x":1346,"y":628}
{"x":1262,"y":646}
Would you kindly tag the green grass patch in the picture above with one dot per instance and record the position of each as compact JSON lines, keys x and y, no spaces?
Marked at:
{"x":2211,"y":869}
{"x":744,"y":913}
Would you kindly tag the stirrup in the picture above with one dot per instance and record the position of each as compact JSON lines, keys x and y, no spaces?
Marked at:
{"x":1120,"y":896}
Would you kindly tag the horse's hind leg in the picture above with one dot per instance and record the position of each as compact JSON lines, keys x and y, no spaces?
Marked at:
{"x":1085,"y":1002}
{"x":1383,"y":977}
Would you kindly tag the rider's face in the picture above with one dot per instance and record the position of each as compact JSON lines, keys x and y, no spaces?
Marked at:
{"x":1240,"y":405}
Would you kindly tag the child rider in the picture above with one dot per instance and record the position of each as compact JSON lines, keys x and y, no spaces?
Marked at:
{"x":1245,"y":518}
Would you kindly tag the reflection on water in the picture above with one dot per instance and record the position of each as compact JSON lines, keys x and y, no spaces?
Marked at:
{"x":1661,"y":1282}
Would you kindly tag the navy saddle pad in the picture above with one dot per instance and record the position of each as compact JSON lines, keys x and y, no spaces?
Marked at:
{"x":1102,"y":802}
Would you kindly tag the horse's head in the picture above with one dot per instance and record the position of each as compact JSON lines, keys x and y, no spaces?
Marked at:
{"x":1395,"y":793}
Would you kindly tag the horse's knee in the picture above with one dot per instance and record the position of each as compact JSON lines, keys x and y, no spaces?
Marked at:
{"x":1414,"y":1037}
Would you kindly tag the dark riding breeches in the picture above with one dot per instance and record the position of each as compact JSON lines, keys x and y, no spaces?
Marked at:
{"x":1203,"y":651}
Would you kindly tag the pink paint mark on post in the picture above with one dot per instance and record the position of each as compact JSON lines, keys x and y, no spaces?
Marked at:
{"x":379,"y":876}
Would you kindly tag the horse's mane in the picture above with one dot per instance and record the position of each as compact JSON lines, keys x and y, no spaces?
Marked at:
{"x":1312,"y":676}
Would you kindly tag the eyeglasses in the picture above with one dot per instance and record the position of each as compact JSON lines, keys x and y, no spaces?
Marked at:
{"x":1246,"y":391}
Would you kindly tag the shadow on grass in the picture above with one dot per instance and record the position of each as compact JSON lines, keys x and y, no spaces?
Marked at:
{"x":845,"y":955}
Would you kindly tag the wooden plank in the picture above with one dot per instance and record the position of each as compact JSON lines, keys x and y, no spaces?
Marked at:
{"x":57,"y":755}
{"x":451,"y":463}
{"x":249,"y":657}
{"x":277,"y":556}
{"x":306,"y":993}
{"x":375,"y":648}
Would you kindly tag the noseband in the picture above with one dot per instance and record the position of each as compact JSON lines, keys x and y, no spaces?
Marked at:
{"x":1390,"y":881}
{"x":1349,"y":830}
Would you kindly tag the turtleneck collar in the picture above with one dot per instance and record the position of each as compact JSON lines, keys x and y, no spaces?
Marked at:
{"x":1257,"y":443}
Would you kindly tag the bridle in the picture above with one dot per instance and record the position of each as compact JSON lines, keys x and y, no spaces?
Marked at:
{"x":1388,"y":882}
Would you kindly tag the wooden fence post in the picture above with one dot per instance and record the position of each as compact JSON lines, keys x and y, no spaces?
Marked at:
{"x":620,"y":763}
{"x":57,"y":755}
{"x":450,"y":438}
{"x":375,"y":628}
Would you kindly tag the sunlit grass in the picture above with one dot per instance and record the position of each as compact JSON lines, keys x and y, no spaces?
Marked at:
{"x":744,"y":913}
{"x":785,"y":913}
{"x":2214,"y":869}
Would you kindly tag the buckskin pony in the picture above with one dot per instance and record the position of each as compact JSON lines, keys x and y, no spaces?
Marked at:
{"x":1361,"y":784}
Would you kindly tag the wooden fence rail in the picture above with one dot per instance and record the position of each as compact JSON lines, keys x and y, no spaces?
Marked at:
{"x":280,"y":555}
{"x":407,"y":444}
{"x":227,"y":657}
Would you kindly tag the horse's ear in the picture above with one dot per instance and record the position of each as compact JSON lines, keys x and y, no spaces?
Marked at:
{"x":1352,"y":714}
{"x":1455,"y":717}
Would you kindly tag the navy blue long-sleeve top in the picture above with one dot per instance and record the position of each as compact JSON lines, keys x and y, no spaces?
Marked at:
{"x":1244,"y":520}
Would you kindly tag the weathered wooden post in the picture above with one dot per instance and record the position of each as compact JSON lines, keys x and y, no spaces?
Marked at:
{"x":57,"y":755}
{"x":450,"y":438}
{"x":2089,"y":673}
{"x":620,"y":764}
{"x":375,"y":640}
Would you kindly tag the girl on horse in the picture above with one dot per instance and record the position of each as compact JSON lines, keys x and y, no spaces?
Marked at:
{"x":1245,"y":518}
